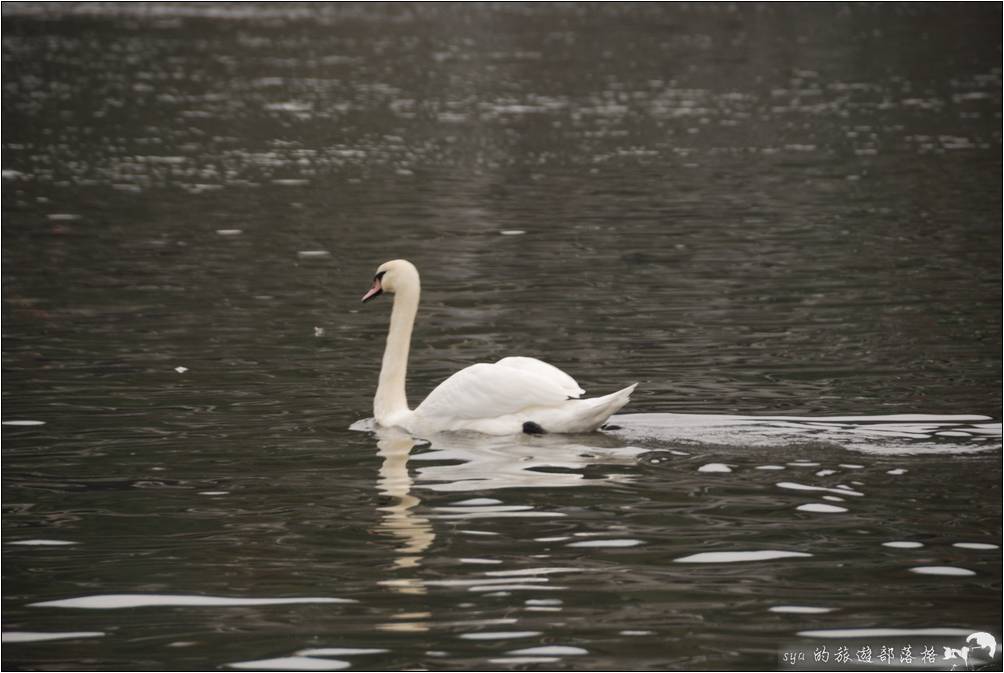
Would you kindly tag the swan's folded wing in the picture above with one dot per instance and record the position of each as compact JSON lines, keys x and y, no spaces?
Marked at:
{"x":544,"y":370}
{"x":491,"y":391}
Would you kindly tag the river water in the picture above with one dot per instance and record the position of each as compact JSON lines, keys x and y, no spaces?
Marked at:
{"x":782,"y":221}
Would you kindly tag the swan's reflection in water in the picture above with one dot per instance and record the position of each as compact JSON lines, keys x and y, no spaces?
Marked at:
{"x":469,"y":462}
{"x":472,"y":462}
{"x":414,"y":531}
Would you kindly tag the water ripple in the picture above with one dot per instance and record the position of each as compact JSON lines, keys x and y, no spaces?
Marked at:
{"x":739,"y":556}
{"x":119,"y":601}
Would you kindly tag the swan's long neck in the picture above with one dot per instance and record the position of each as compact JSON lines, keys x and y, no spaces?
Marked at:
{"x":391,"y":400}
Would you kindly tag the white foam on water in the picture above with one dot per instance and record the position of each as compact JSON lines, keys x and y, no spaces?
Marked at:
{"x":550,"y":651}
{"x":119,"y":601}
{"x":291,"y":664}
{"x":515,"y":587}
{"x":490,"y":511}
{"x":975,"y":545}
{"x":794,"y":486}
{"x":457,"y":582}
{"x":714,"y":467}
{"x":498,"y":635}
{"x":950,"y":571}
{"x":532,"y":571}
{"x":340,"y":651}
{"x":883,"y":633}
{"x":896,"y":434}
{"x":39,"y":636}
{"x":739,"y":556}
{"x":606,"y":543}
{"x":821,"y":508}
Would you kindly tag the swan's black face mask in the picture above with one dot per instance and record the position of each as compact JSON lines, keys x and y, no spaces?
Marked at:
{"x":377,"y":288}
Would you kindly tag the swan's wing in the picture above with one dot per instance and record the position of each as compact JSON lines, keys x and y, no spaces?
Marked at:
{"x":544,"y":370}
{"x":490,"y":391}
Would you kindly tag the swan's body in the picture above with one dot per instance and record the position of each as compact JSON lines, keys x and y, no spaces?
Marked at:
{"x":513,"y":395}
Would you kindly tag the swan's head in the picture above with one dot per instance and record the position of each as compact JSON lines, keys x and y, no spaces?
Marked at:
{"x":396,"y":275}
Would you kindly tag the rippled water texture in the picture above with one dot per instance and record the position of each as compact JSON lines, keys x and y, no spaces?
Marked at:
{"x":782,"y":221}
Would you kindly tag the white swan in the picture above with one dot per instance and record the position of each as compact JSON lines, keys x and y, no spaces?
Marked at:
{"x":516,"y":394}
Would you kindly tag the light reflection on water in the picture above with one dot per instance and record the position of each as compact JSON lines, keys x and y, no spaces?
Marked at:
{"x":783,"y":221}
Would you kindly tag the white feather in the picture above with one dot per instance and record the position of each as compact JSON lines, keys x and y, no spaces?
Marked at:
{"x":486,"y":391}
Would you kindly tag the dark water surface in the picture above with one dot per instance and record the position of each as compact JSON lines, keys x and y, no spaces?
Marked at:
{"x":783,"y":211}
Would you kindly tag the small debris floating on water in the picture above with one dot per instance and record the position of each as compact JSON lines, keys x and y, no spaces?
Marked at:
{"x":229,"y":232}
{"x":308,"y":254}
{"x":181,"y":370}
{"x":318,"y":331}
{"x":512,"y":232}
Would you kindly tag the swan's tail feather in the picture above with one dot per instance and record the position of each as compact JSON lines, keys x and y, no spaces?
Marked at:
{"x":589,"y":414}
